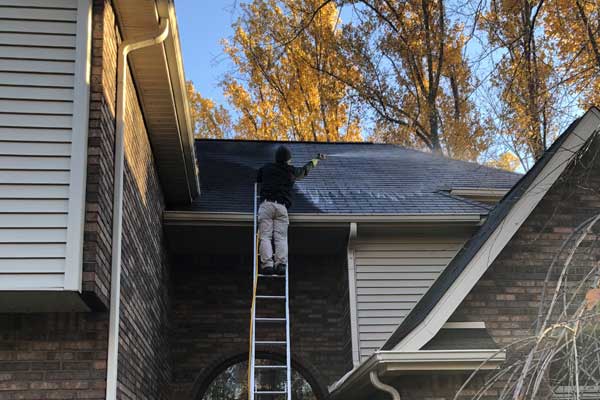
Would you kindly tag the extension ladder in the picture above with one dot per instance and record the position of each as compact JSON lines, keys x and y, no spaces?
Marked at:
{"x":253,"y":368}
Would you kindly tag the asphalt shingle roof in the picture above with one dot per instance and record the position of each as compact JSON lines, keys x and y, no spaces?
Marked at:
{"x":358,"y":178}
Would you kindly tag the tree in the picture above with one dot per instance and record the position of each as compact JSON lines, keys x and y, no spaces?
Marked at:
{"x":574,"y":26}
{"x":506,"y":160}
{"x":523,"y":76}
{"x":413,"y":75}
{"x":209,"y":120}
{"x":280,"y":90}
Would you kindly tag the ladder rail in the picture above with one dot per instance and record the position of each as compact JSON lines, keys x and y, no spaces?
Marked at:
{"x":252,"y":355}
{"x":288,"y":357}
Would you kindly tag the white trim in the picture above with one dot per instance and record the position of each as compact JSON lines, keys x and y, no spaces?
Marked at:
{"x":78,"y":166}
{"x":464,"y":325}
{"x":223,"y":218}
{"x":172,"y":49}
{"x":352,"y":295}
{"x":501,"y":236}
{"x":398,"y":362}
{"x":479,"y":192}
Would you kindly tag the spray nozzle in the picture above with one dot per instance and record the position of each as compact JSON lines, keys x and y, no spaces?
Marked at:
{"x":321,"y":156}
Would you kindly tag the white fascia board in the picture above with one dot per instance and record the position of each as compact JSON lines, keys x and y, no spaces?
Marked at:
{"x":172,"y":49}
{"x":224,"y":218}
{"x":464,"y":325}
{"x":395,"y":362}
{"x":486,"y":255}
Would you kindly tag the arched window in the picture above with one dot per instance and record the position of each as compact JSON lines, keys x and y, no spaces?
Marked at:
{"x":232,"y":383}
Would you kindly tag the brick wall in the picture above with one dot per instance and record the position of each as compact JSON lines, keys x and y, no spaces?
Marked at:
{"x":63,"y":356}
{"x":508,"y":296}
{"x":211,"y":309}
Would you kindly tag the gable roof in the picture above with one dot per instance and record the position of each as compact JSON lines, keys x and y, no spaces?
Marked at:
{"x":531,"y":188}
{"x":356,"y":178}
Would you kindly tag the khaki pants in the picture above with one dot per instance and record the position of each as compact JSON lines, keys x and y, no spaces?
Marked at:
{"x":273,"y":227}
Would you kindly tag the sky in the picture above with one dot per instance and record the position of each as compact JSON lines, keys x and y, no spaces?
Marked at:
{"x":202,"y":25}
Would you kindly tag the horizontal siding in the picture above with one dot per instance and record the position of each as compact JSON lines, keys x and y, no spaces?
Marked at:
{"x":392,"y":275}
{"x":37,"y":53}
{"x":38,"y":163}
{"x":24,"y":220}
{"x":67,"y":4}
{"x":35,"y":135}
{"x":22,"y":79}
{"x":44,"y":40}
{"x":39,"y":14}
{"x":32,"y":281}
{"x":36,"y":93}
{"x":38,"y":40}
{"x":28,"y":266}
{"x":23,"y":191}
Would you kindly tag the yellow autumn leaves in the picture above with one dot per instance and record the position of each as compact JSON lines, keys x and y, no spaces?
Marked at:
{"x":404,"y":70}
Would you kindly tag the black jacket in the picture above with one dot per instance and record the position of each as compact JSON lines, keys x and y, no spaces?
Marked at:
{"x":277,"y":180}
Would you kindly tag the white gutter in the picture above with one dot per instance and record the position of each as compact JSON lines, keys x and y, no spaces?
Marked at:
{"x":125,"y":48}
{"x":400,"y":362}
{"x":383,"y":387}
{"x":239,"y":218}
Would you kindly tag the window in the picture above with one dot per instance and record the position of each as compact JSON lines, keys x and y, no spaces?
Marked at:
{"x":232,"y":383}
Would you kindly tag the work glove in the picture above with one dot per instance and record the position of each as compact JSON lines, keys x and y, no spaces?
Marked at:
{"x":314,"y":162}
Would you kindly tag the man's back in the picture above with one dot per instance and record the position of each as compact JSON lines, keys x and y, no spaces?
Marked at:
{"x":277,"y":181}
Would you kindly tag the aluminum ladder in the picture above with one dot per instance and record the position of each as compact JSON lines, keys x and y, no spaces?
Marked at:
{"x":253,"y":393}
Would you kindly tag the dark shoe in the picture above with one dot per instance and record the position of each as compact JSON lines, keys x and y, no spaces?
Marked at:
{"x":280,"y":269}
{"x":266,"y":271}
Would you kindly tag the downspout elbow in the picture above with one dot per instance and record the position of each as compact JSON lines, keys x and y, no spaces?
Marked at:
{"x":384,"y":387}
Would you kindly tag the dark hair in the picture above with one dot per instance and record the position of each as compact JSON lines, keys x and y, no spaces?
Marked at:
{"x":282,"y":154}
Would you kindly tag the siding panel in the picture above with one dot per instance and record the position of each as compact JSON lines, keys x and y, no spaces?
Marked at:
{"x":21,"y":79}
{"x":44,"y":55}
{"x":392,"y":274}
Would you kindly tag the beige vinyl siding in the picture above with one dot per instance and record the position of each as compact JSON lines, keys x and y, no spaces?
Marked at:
{"x":392,"y":274}
{"x":44,"y":79}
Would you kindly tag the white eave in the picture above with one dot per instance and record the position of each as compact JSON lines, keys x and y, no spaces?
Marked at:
{"x":390,"y":363}
{"x":160,"y":83}
{"x":198,"y":218}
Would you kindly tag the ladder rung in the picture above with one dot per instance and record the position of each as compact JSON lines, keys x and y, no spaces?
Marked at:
{"x":269,"y":297}
{"x":271,"y":276}
{"x":271,"y":366}
{"x":270,"y":319}
{"x":271,"y":392}
{"x":270,"y":342}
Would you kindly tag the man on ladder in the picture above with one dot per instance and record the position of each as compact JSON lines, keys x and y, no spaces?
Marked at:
{"x":276,"y":182}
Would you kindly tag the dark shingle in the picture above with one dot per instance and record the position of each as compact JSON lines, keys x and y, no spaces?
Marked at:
{"x":361,"y":178}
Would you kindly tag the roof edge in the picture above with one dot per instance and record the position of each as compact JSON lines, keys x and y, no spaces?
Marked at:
{"x":166,"y":9}
{"x":224,"y":218}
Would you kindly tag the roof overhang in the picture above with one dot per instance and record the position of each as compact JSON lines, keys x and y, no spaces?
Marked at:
{"x":396,"y":363}
{"x":160,"y":82}
{"x":197,"y":218}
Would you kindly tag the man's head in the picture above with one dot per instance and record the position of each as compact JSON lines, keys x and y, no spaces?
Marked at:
{"x":283,"y":154}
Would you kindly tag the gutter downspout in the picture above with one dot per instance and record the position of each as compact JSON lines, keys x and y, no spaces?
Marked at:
{"x":384,"y":387}
{"x":125,"y":48}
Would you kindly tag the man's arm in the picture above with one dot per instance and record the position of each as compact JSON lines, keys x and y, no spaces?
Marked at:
{"x":301,"y":172}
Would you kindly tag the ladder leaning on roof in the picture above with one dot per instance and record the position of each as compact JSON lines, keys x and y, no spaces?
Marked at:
{"x":253,"y":393}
